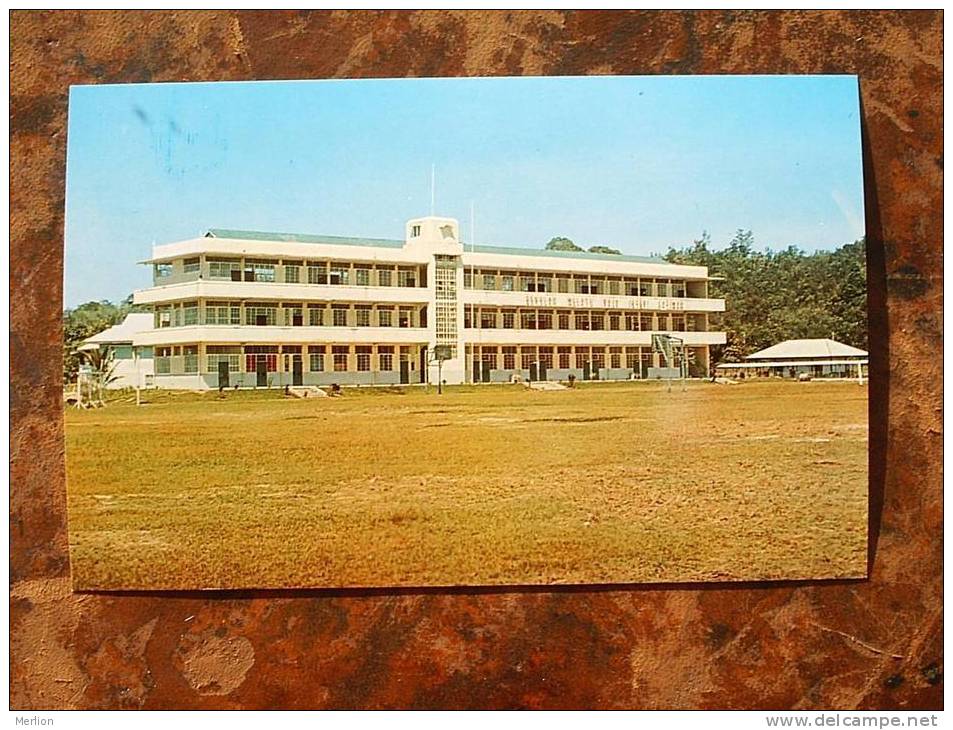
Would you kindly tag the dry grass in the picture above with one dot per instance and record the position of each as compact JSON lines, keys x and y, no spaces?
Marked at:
{"x":488,"y":485}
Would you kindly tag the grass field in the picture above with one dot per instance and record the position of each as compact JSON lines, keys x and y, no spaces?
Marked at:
{"x":609,"y":483}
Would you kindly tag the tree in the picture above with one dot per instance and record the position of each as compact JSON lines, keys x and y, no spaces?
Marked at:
{"x":604,"y":249}
{"x":561,"y":243}
{"x":772,"y":296}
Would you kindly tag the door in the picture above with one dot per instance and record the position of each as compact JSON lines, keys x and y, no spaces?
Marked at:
{"x":486,"y":372}
{"x":533,"y":372}
{"x":404,"y":372}
{"x":476,"y":371}
{"x":223,"y":374}
{"x":586,"y":371}
{"x":297,"y":371}
{"x":542,"y":371}
{"x":261,"y":371}
{"x":423,"y":364}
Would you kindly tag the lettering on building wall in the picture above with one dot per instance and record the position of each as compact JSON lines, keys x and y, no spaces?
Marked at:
{"x":659,"y":303}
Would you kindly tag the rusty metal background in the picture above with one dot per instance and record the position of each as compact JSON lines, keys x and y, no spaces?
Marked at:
{"x":867,"y":644}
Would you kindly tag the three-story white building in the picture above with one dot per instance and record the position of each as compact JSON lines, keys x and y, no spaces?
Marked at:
{"x":248,"y":309}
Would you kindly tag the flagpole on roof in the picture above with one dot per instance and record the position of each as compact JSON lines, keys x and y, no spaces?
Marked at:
{"x":433,"y":189}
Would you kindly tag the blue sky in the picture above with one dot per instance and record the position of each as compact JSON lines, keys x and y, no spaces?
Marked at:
{"x":637,"y":163}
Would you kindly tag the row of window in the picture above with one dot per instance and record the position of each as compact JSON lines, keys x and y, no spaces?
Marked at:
{"x":272,"y":315}
{"x":296,"y":272}
{"x":595,"y":320}
{"x":568,"y":356}
{"x":318,"y":358}
{"x":573,"y":283}
{"x":351,"y":274}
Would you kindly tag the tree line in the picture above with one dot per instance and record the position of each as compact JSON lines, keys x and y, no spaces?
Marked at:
{"x":772,"y":296}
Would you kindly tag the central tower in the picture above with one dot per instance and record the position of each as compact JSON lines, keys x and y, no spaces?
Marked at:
{"x":439,"y":239}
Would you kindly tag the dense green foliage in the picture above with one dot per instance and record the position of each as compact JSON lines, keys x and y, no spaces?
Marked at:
{"x":561,"y":243}
{"x":85,"y":321}
{"x":772,"y":296}
{"x":604,"y":249}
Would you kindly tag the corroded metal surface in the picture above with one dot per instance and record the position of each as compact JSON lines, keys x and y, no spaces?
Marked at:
{"x":867,"y":644}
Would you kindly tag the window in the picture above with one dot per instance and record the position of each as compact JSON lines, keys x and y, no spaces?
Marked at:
{"x":564,"y":353}
{"x":562,"y":285}
{"x":414,"y":231}
{"x":467,"y":279}
{"x":294,"y":316}
{"x":339,"y":316}
{"x":362,"y":276}
{"x":406,"y":277}
{"x":613,"y":320}
{"x":528,"y":319}
{"x":564,"y":322}
{"x":163,"y":365}
{"x":488,"y":355}
{"x":509,"y":358}
{"x":546,"y":357}
{"x":317,"y":273}
{"x":678,"y":288}
{"x":598,"y":358}
{"x":215,"y":354}
{"x":582,"y":320}
{"x":405,"y":317}
{"x":384,"y":277}
{"x":362,"y":316}
{"x":632,"y":357}
{"x":527,"y":356}
{"x":192,"y":265}
{"x":385,"y":358}
{"x":339,"y":275}
{"x":385,"y":317}
{"x":645,"y":322}
{"x":190,"y":359}
{"x":259,"y":271}
{"x":527,"y":283}
{"x":489,"y":281}
{"x":678,"y":322}
{"x":615,"y":357}
{"x":509,"y":320}
{"x":163,"y":270}
{"x":223,"y":313}
{"x":261,"y":316}
{"x":339,"y":358}
{"x":597,"y":321}
{"x":363,"y":358}
{"x":264,"y":354}
{"x":544,"y":283}
{"x":544,"y":321}
{"x":613,"y":286}
{"x":190,"y":313}
{"x":292,"y":273}
{"x":163,"y":318}
{"x":487,"y":319}
{"x":316,"y":316}
{"x":506,"y":283}
{"x":316,"y":358}
{"x":223,"y":269}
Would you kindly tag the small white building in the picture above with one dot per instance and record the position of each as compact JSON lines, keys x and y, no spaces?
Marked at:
{"x":133,"y":363}
{"x":817,"y":358}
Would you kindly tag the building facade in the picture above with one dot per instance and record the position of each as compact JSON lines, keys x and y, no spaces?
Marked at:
{"x":247,"y":309}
